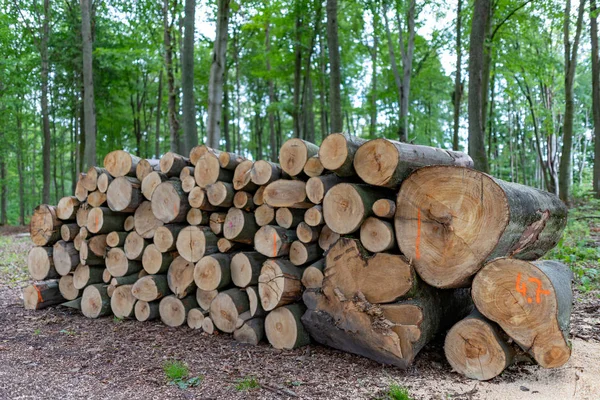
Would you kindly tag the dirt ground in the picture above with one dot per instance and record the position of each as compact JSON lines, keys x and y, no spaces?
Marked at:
{"x":58,"y":354}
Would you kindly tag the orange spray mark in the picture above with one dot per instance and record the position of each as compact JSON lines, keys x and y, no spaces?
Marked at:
{"x":418,"y":240}
{"x":521,"y":288}
{"x":539,"y":291}
{"x":39,"y":293}
{"x":274,"y":244}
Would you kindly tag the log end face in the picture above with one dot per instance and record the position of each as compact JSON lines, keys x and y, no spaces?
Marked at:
{"x":333,"y":152}
{"x":118,"y":163}
{"x":376,"y":161}
{"x":39,"y":262}
{"x":172,"y":311}
{"x":293,"y":156}
{"x":343,"y":209}
{"x":281,"y":328}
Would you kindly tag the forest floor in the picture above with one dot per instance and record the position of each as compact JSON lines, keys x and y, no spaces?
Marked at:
{"x":56,"y":353}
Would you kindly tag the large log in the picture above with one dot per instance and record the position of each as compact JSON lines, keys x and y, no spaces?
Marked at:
{"x":151,"y":182}
{"x":264,"y":215}
{"x":213,"y":272}
{"x":95,"y":301}
{"x":476,"y":348}
{"x":252,"y":332}
{"x":220,"y":194}
{"x":104,"y":220}
{"x":279,"y":283}
{"x":289,"y":218}
{"x":41,"y":295}
{"x":346,"y":206}
{"x":337,"y":153}
{"x":205,"y":298}
{"x":156,"y":262}
{"x":85,"y":275}
{"x":118,"y":264}
{"x":264,"y":172}
{"x":67,"y":208}
{"x":169,"y":202}
{"x":226,"y":308}
{"x":274,"y":241}
{"x":327,"y":238}
{"x":171,"y":164}
{"x":208,"y":171}
{"x":66,"y":257}
{"x":245,"y":268}
{"x":40,"y":263}
{"x":532,"y":303}
{"x":145,"y":167}
{"x":134,"y":246}
{"x":104,"y":181}
{"x":240,"y":226}
{"x":303,"y":253}
{"x":317,"y":187}
{"x":120,"y":163}
{"x":294,"y":154}
{"x":44,"y":227}
{"x":151,"y":287}
{"x":377,"y":235}
{"x":67,"y":289}
{"x":165,"y":237}
{"x":285,"y":193}
{"x":314,"y":216}
{"x":242,"y":177}
{"x":173,"y":311}
{"x":284,"y":327}
{"x":194,"y":242}
{"x":145,"y":222}
{"x":384,"y":162}
{"x":124,"y":194}
{"x":122,"y":302}
{"x":444,"y":212}
{"x":180,"y":277}
{"x":146,"y":311}
{"x":198,"y":199}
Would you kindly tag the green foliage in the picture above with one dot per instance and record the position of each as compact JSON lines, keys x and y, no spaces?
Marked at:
{"x":68,"y":332}
{"x":37,"y":332}
{"x":176,"y":373}
{"x":397,"y":392}
{"x":117,"y":320}
{"x":13,"y":263}
{"x":247,"y":383}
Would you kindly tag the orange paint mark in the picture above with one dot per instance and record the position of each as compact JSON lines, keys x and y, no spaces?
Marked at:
{"x":418,"y":240}
{"x":529,"y":300}
{"x":274,"y":244}
{"x":39,"y":293}
{"x":539,"y":291}
{"x":521,"y":288}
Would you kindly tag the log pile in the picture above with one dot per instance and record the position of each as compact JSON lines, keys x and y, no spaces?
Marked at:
{"x":371,"y":247}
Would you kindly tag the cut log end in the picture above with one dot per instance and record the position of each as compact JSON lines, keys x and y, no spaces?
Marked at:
{"x":279,"y":283}
{"x":122,"y":302}
{"x":41,"y":294}
{"x":146,"y":311}
{"x":40,"y":263}
{"x":284,"y":328}
{"x":294,"y":154}
{"x":227,"y":307}
{"x":377,"y":235}
{"x":173,"y":311}
{"x":95,"y":301}
{"x":44,"y":226}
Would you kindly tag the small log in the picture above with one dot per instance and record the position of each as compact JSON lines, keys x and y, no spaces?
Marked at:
{"x":284,"y":193}
{"x":302,"y":253}
{"x":198,"y":199}
{"x":475,"y":348}
{"x":256,"y":308}
{"x":195,"y":317}
{"x":188,"y":183}
{"x":346,"y":206}
{"x":307,"y":233}
{"x":220,"y":194}
{"x":118,"y":264}
{"x":124,"y":194}
{"x":242,"y":177}
{"x":312,"y":277}
{"x":41,"y":295}
{"x":104,"y":181}
{"x":95,"y":301}
{"x":103,"y":220}
{"x":85,"y":275}
{"x":81,"y":193}
{"x":384,"y":162}
{"x":264,"y":215}
{"x":226,"y":308}
{"x":180,"y":277}
{"x":243,"y":200}
{"x":173,"y":310}
{"x":145,"y":167}
{"x":121,"y":163}
{"x":97,"y":199}
{"x":252,"y":332}
{"x":146,"y":311}
{"x":264,"y":172}
{"x":197,"y":217}
{"x":259,"y":196}
{"x":126,"y":280}
{"x":65,"y":257}
{"x":384,"y":208}
{"x":204,"y":298}
{"x":67,"y":288}
{"x":284,"y":328}
{"x":44,"y":227}
{"x":208,"y":171}
{"x":327,"y":238}
{"x":106,"y":276}
{"x":116,"y":239}
{"x":87,"y":257}
{"x":156,"y":262}
{"x":80,"y":238}
{"x":213,"y":272}
{"x":279,"y":283}
{"x":194,"y":242}
{"x":239,"y":226}
{"x":187,"y":172}
{"x":446,"y":211}
{"x":289,"y":218}
{"x":313,"y":167}
{"x":82,"y":214}
{"x":274,"y":241}
{"x":97,"y":245}
{"x":171,"y":164}
{"x":145,"y":222}
{"x":314,"y":216}
{"x":198,"y":151}
{"x":165,"y":237}
{"x":151,"y":182}
{"x":169,"y":202}
{"x":67,"y":208}
{"x":150,"y":288}
{"x":129,"y":224}
{"x":208,"y":326}
{"x":90,"y":180}
{"x":230,"y":161}
{"x":40,"y":263}
{"x":317,"y":187}
{"x":377,"y":235}
{"x":122,"y":302}
{"x":245,"y":268}
{"x":294,"y":154}
{"x":532,"y":303}
{"x":134,"y":246}
{"x":216,"y":221}
{"x":337,"y":153}
{"x":227,"y":246}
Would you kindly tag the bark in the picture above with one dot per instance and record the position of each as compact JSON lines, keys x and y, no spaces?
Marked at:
{"x":158,"y":116}
{"x":595,"y":94}
{"x":227,"y":307}
{"x":458,"y":86}
{"x":44,"y":106}
{"x":41,"y":294}
{"x":172,"y":91}
{"x":335,"y":78}
{"x":190,"y":131}
{"x":88,"y":85}
{"x":272,"y":136}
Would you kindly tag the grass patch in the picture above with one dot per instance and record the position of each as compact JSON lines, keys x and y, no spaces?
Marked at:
{"x":247,"y":383}
{"x":397,"y":392}
{"x":177,"y":373}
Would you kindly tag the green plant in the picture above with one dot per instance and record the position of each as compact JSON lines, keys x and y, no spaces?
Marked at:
{"x":397,"y":392}
{"x":247,"y":383}
{"x":117,"y":320}
{"x":177,"y":373}
{"x":67,"y":332}
{"x":37,"y":332}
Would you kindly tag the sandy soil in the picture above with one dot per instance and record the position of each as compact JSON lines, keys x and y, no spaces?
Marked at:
{"x":58,"y":354}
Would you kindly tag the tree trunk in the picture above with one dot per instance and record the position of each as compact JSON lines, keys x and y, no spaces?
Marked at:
{"x":335,"y":78}
{"x":40,"y":263}
{"x":158,"y":116}
{"x":119,"y":265}
{"x":242,"y":177}
{"x":95,"y":301}
{"x":151,"y":182}
{"x":67,"y":288}
{"x":252,"y":332}
{"x":190,"y":131}
{"x":172,"y":200}
{"x":307,"y":233}
{"x":377,"y":235}
{"x":270,"y":111}
{"x":314,"y":216}
{"x":458,"y":85}
{"x":146,"y":311}
{"x":165,"y":237}
{"x":124,"y":194}
{"x":172,"y":91}
{"x":194,"y":242}
{"x":88,"y":85}
{"x":44,"y":106}
{"x":122,"y":302}
{"x":264,"y":215}
{"x":303,"y":253}
{"x":240,"y":226}
{"x":294,"y":154}
{"x":595,"y":95}
{"x":312,"y":277}
{"x":245,"y":268}
{"x":317,"y":187}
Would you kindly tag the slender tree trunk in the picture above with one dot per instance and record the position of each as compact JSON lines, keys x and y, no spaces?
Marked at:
{"x":595,"y":94}
{"x":226,"y":113}
{"x":309,"y":116}
{"x":272,"y":137}
{"x":322,"y":90}
{"x":335,"y":78}
{"x":21,"y":168}
{"x":217,"y":68}
{"x":172,"y":104}
{"x":3,"y":186}
{"x":407,"y":61}
{"x":44,"y":105}
{"x":88,"y":86}
{"x":564,"y":172}
{"x":158,"y":115}
{"x":238,"y":113}
{"x":458,"y":87}
{"x":190,"y":130}
{"x":476,"y":57}
{"x":374,"y":50}
{"x":297,"y":72}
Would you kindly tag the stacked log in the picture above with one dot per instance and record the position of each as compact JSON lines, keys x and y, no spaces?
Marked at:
{"x":371,"y":247}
